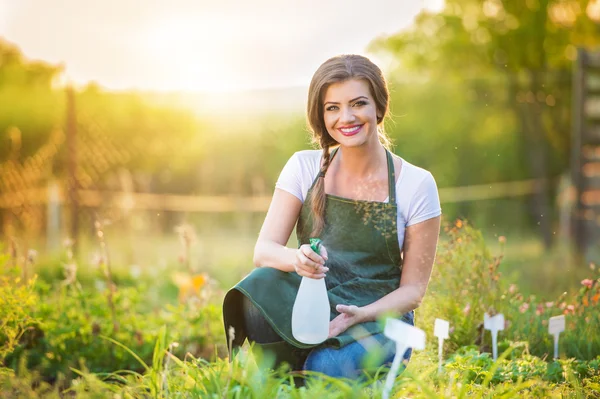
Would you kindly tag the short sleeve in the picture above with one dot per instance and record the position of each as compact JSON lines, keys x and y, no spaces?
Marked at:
{"x":425,"y":203}
{"x":290,"y":178}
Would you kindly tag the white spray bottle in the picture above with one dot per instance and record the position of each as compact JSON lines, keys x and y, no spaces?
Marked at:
{"x":310,"y":314}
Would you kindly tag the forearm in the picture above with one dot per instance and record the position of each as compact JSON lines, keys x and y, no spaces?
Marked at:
{"x":272,"y":254}
{"x":396,"y":303}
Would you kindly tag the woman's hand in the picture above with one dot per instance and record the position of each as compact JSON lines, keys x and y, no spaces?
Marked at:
{"x":309,"y":263}
{"x":349,"y":316}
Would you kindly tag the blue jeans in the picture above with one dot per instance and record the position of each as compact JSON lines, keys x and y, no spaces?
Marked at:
{"x":354,"y":360}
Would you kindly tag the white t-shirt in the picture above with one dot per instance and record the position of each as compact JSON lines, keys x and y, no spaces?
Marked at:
{"x":416,"y":191}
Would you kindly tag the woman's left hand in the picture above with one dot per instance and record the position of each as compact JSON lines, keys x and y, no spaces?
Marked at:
{"x":349,"y":316}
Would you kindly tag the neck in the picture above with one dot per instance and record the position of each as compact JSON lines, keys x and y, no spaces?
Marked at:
{"x":363,"y":161}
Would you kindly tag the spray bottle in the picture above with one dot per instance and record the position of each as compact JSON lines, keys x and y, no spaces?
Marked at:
{"x":310,"y":314}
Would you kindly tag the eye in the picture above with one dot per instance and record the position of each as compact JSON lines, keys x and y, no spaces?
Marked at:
{"x":331,"y":108}
{"x":360,"y":103}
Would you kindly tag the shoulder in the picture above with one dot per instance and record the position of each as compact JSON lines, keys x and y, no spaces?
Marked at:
{"x":306,"y":162}
{"x":308,"y":157}
{"x":412,"y":175}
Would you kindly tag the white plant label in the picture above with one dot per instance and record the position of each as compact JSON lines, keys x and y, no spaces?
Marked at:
{"x":405,"y":336}
{"x":556,"y":325}
{"x":440,"y":330}
{"x":494,"y":324}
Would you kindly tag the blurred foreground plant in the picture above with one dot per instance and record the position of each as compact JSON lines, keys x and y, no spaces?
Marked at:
{"x":17,"y":302}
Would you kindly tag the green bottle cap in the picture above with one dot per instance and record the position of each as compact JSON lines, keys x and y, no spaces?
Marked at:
{"x":314,"y":244}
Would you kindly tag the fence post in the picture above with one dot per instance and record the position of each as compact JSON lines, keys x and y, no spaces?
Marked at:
{"x":72,"y":169}
{"x":53,"y":218}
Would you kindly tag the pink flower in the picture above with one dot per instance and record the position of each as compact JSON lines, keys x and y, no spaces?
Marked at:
{"x":587,"y":283}
{"x":539,"y":309}
{"x":512,"y":289}
{"x":549,"y":304}
{"x":569,"y":309}
{"x":523,"y":308}
{"x":467,"y":309}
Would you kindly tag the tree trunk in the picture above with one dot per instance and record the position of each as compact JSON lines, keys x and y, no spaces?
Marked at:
{"x":529,"y":114}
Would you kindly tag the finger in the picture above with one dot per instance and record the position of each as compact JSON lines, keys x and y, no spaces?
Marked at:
{"x":310,"y":266}
{"x":324,"y":254}
{"x":307,"y":271}
{"x":348,"y":309}
{"x":312,"y":255}
{"x":304,"y":273}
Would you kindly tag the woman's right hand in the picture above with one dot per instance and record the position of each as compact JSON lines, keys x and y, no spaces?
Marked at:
{"x":309,"y":263}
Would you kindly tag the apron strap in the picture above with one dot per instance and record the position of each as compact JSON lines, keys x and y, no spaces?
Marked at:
{"x":391,"y":177}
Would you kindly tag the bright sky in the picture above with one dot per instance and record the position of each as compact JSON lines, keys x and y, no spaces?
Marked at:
{"x":199,"y":45}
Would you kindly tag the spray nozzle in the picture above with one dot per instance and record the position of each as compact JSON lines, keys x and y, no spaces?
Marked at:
{"x":315,"y":244}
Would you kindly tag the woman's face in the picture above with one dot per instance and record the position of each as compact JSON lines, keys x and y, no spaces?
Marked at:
{"x":350,"y":113}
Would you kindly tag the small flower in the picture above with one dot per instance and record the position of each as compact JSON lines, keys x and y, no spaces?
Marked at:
{"x":539,"y":309}
{"x":592,"y":266}
{"x":459,"y":223}
{"x":512,"y":289}
{"x":549,"y":304}
{"x":596,"y":298}
{"x":524,"y":307}
{"x":32,"y":255}
{"x":570,"y":309}
{"x":587,"y":283}
{"x":467,"y":309}
{"x":502,"y":240}
{"x":562,"y":305}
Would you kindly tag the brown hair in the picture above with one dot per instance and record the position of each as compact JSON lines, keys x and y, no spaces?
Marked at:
{"x":339,"y":69}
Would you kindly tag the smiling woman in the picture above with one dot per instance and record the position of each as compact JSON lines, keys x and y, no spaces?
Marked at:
{"x":378,"y":217}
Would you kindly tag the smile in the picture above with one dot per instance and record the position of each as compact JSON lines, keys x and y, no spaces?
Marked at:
{"x":350,"y":130}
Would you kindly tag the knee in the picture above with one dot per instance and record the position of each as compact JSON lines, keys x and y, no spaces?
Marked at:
{"x":330,"y":362}
{"x":319,"y":360}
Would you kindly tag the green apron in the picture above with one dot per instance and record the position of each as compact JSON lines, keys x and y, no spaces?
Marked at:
{"x":365,"y":264}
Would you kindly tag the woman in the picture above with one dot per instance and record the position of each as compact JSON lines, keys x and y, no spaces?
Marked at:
{"x":377,"y":215}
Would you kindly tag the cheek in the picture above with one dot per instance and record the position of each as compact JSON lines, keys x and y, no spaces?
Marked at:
{"x":329,"y":120}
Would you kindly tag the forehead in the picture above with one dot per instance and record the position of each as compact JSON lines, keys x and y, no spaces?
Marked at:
{"x":347,"y":90}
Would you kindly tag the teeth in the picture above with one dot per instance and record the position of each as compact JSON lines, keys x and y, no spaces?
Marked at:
{"x":350,"y":130}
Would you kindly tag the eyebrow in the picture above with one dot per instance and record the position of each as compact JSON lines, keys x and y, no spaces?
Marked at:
{"x":354,"y":99}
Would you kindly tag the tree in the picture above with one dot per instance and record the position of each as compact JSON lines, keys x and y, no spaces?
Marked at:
{"x":530,"y":45}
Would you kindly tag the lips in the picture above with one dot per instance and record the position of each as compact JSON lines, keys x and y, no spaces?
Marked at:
{"x":350,"y":130}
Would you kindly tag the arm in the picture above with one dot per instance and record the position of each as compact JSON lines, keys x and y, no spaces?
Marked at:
{"x":419,"y":254}
{"x":270,"y":249}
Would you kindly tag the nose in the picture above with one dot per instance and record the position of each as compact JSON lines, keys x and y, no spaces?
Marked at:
{"x":347,"y":115}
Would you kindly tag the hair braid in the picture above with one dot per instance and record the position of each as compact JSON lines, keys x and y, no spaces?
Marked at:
{"x":318,"y":199}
